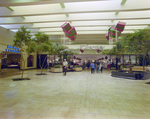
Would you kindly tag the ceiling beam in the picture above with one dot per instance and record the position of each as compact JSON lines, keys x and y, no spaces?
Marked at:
{"x":116,"y":13}
{"x":67,"y":15}
{"x":23,"y":17}
{"x":89,"y":7}
{"x":11,"y":9}
{"x":142,"y":15}
{"x":62,"y":5}
{"x":37,"y":2}
{"x":123,"y":2}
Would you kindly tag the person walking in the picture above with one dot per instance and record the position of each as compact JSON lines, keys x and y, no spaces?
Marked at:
{"x":92,"y":67}
{"x":101,"y":66}
{"x":65,"y":64}
{"x":97,"y":66}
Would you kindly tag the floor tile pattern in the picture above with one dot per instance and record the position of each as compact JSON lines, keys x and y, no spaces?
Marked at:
{"x":78,"y":95}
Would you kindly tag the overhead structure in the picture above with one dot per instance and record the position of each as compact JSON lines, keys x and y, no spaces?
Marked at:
{"x":90,"y":18}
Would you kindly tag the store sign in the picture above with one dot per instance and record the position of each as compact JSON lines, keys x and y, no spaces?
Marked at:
{"x":101,"y":48}
{"x":12,"y":49}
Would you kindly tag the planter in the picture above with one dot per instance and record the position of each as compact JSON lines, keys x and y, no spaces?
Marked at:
{"x":136,"y":75}
{"x":56,"y":70}
{"x":78,"y":68}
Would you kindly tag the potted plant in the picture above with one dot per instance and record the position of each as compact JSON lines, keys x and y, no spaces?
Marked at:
{"x":77,"y":68}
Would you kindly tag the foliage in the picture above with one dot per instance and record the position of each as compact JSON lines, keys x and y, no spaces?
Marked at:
{"x":23,"y":40}
{"x":41,"y":38}
{"x":57,"y":66}
{"x":42,"y":42}
{"x":57,"y":49}
{"x":77,"y":66}
{"x":136,"y":43}
{"x":43,"y":45}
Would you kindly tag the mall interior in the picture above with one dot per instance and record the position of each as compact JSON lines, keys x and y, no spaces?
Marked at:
{"x":119,"y":86}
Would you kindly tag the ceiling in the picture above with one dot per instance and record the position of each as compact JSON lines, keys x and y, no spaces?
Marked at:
{"x":91,"y":18}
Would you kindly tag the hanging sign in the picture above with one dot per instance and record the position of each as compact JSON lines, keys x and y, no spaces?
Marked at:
{"x":101,"y":48}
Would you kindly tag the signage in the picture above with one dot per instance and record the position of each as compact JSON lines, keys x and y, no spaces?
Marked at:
{"x":101,"y":48}
{"x":12,"y":49}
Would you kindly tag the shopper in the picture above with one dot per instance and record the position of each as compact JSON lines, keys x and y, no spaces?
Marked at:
{"x":65,"y":64}
{"x":108,"y":64}
{"x":92,"y":67}
{"x":101,"y":66}
{"x":88,"y":65}
{"x":97,"y":65}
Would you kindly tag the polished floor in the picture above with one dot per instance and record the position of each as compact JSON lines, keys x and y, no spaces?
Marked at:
{"x":78,"y":95}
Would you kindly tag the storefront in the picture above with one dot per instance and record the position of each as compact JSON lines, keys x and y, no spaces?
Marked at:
{"x":10,"y":60}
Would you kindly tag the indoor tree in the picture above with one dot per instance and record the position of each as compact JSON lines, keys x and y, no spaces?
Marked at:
{"x":23,"y":41}
{"x":138,"y":43}
{"x":43,"y":45}
{"x":56,"y":49}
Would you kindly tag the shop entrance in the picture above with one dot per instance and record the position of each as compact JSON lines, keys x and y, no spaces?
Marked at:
{"x":10,"y":60}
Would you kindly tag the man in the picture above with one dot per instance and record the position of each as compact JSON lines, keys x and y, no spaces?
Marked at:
{"x":65,"y":64}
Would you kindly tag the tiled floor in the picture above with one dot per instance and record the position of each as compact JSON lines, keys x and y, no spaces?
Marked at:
{"x":79,"y":95}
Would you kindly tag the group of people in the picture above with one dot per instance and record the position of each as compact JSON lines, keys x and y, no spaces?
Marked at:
{"x":97,"y":65}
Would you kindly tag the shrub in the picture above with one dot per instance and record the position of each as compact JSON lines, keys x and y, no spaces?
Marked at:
{"x":56,"y":66}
